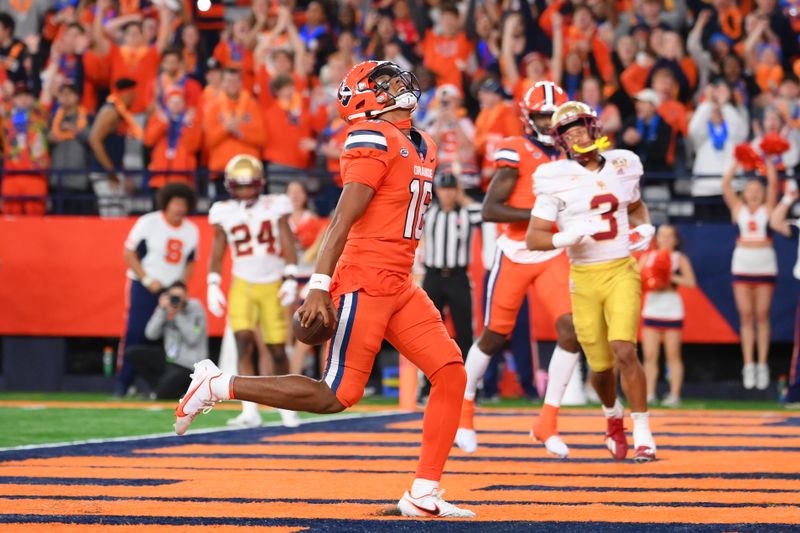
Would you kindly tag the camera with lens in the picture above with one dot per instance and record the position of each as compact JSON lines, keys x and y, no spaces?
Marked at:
{"x":175,"y":300}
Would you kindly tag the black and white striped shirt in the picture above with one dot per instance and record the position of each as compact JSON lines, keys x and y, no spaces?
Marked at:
{"x":448,"y":235}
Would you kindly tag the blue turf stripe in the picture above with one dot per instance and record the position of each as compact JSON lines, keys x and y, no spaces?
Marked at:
{"x":359,"y":457}
{"x":345,"y":342}
{"x":26,"y":480}
{"x":526,"y":445}
{"x":553,"y":488}
{"x":411,"y":526}
{"x":376,"y":501}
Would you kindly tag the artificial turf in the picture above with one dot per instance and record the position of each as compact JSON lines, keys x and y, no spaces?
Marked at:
{"x":39,"y":424}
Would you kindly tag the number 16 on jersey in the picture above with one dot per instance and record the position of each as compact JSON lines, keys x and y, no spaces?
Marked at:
{"x":421,"y":196}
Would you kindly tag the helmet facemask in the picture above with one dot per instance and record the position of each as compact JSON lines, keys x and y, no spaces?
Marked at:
{"x":581,"y":154}
{"x":405,"y":99}
{"x":542,"y":134}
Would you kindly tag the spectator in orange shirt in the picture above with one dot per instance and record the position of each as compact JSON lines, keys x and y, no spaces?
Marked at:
{"x":289,"y":138}
{"x":233,"y":51}
{"x":173,"y":76}
{"x":447,"y":52}
{"x":135,"y":59}
{"x":534,"y":67}
{"x":174,"y":136}
{"x":673,"y":112}
{"x":272,"y":62}
{"x":233,"y":125}
{"x":24,"y":131}
{"x":763,"y":56}
{"x":213,"y":86}
{"x":581,"y":37}
{"x":497,"y":119}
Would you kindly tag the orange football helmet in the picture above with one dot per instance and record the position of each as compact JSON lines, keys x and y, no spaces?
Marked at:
{"x":361,"y":95}
{"x":541,"y":99}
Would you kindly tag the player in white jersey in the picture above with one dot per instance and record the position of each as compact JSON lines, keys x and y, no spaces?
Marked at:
{"x":256,"y":228}
{"x":592,"y":197}
{"x":160,"y":250}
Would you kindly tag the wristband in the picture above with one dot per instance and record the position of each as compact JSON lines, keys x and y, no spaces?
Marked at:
{"x":787,"y":199}
{"x":563,"y":239}
{"x":319,"y":282}
{"x":213,"y":278}
{"x":290,"y":271}
{"x":147,"y":281}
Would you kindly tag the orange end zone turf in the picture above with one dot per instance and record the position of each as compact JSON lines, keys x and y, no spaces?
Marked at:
{"x":717,"y":471}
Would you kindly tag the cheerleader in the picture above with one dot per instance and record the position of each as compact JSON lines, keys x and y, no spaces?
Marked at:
{"x":308,"y":228}
{"x":663,"y":270}
{"x":754,"y":267}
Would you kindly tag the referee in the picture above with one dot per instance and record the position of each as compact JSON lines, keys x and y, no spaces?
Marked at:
{"x":449,"y":223}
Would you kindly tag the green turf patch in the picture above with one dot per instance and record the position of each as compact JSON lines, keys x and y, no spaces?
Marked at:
{"x":23,"y":426}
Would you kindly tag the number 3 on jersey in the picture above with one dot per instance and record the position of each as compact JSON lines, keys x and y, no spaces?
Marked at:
{"x":421,"y":196}
{"x":600,"y":201}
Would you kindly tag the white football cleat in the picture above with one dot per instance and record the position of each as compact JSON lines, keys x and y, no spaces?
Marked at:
{"x":289,"y":418}
{"x":246,"y":420}
{"x":431,"y":506}
{"x":557,"y":447}
{"x":199,"y":398}
{"x":467,"y":440}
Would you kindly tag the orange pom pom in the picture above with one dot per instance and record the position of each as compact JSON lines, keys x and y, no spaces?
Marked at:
{"x":774,"y":144}
{"x":746,"y":156}
{"x":657,"y":271}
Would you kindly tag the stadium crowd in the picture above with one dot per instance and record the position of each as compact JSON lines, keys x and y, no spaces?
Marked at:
{"x":92,"y":92}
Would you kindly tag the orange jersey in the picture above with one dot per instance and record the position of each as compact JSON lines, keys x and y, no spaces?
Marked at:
{"x":379,"y":252}
{"x":140,"y":64}
{"x":442,"y":55}
{"x":525,"y":155}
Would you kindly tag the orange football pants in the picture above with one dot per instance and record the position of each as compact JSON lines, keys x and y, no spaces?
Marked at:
{"x":509,"y":283}
{"x":411,"y":323}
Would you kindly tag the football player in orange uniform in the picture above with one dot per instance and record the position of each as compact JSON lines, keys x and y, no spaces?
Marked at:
{"x":509,"y":201}
{"x":363,"y":283}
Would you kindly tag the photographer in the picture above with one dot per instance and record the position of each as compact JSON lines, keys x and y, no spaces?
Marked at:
{"x":182,"y":324}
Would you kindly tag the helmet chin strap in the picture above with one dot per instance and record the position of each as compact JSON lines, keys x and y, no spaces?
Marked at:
{"x":407,"y":100}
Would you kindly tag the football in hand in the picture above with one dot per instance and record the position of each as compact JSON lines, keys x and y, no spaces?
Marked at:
{"x":316,"y":332}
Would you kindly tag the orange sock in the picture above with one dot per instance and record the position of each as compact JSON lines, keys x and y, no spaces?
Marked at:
{"x":467,"y":414}
{"x":546,"y":424}
{"x":441,"y":419}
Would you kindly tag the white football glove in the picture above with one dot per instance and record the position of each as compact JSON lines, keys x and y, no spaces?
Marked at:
{"x":288,"y":292}
{"x":215,"y":298}
{"x":640,"y":237}
{"x":575,"y":234}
